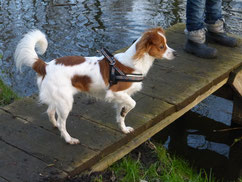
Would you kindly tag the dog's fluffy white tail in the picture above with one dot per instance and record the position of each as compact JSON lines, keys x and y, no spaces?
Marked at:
{"x":25,"y":53}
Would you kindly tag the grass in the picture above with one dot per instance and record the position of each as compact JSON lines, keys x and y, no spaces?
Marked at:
{"x":165,"y":168}
{"x":149,"y":165}
{"x":128,"y":169}
{"x":7,"y":96}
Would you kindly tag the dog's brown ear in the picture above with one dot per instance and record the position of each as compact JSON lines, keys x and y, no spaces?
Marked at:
{"x":159,"y":29}
{"x":149,"y":38}
{"x":143,"y":45}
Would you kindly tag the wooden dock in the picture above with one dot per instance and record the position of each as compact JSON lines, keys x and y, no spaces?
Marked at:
{"x":32,"y":150}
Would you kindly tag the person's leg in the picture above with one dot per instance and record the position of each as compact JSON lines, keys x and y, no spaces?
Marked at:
{"x":195,"y":30}
{"x":215,"y":24}
{"x":195,"y":11}
{"x":213,"y":11}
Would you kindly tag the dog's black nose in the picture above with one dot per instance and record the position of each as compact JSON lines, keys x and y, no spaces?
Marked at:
{"x":175,"y":53}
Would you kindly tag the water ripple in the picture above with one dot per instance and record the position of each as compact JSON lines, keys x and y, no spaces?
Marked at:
{"x":80,"y":27}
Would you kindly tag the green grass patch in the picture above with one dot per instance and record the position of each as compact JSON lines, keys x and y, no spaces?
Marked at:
{"x":7,"y":96}
{"x":163,"y":168}
{"x":128,"y":169}
{"x":150,"y":163}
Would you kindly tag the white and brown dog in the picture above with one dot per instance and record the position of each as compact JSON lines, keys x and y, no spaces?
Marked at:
{"x":60,"y":79}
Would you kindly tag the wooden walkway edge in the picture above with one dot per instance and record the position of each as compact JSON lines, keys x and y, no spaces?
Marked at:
{"x":32,"y":150}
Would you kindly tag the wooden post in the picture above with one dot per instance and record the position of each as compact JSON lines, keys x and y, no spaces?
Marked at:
{"x":235,"y":82}
{"x":225,"y":92}
{"x":237,"y":110}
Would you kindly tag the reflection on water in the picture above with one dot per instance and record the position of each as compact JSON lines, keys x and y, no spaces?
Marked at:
{"x":199,"y":142}
{"x":80,"y":27}
{"x":216,"y":108}
{"x":77,"y":28}
{"x":193,"y":137}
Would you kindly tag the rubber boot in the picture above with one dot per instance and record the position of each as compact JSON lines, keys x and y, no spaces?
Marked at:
{"x":216,"y":33}
{"x":195,"y":45}
{"x":200,"y":50}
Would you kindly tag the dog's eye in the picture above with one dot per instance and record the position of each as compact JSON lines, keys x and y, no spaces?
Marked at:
{"x":162,"y":47}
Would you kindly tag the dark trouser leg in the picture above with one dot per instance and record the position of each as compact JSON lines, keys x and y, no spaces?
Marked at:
{"x":213,"y":11}
{"x":195,"y":14}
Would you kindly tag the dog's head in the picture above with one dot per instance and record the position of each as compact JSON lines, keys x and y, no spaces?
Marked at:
{"x":153,"y":42}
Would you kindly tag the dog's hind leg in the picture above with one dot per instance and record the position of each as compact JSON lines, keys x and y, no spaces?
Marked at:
{"x":63,"y":109}
{"x":51,"y":114}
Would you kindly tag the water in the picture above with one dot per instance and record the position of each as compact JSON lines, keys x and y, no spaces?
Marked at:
{"x":199,"y":138}
{"x":81,"y":27}
{"x":77,"y":28}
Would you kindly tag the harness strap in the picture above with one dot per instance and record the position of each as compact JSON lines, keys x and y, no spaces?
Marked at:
{"x":117,"y":75}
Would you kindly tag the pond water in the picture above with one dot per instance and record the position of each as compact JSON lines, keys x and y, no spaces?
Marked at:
{"x":81,"y":27}
{"x":203,"y":136}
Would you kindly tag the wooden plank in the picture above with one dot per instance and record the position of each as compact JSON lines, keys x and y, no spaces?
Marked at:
{"x":151,"y":115}
{"x":228,"y":58}
{"x":237,"y":110}
{"x":225,"y":92}
{"x":135,"y":142}
{"x":236,"y":80}
{"x":148,"y":108}
{"x":84,"y":107}
{"x":30,"y":110}
{"x":16,"y":166}
{"x":174,"y":87}
{"x":42,"y":144}
{"x":105,"y":114}
{"x":100,"y":111}
{"x":179,"y":81}
{"x":104,"y":141}
{"x":75,"y":122}
{"x":3,"y":180}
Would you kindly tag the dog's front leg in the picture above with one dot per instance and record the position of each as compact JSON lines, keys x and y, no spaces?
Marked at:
{"x":124,"y":104}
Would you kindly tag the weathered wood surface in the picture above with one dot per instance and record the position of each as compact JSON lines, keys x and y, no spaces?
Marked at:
{"x":32,"y":150}
{"x":237,"y":110}
{"x":225,"y":92}
{"x":236,"y":81}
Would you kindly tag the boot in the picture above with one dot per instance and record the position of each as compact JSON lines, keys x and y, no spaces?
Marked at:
{"x":216,"y":33}
{"x":196,"y":45}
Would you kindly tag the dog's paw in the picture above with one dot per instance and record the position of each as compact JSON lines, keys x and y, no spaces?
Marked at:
{"x":127,"y":129}
{"x":73,"y":141}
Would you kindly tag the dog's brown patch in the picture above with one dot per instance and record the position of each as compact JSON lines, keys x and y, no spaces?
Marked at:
{"x":82,"y":83}
{"x":104,"y":69}
{"x":70,"y":60}
{"x":40,"y":67}
{"x":151,"y":43}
